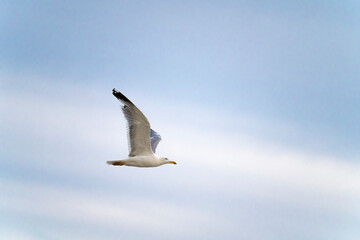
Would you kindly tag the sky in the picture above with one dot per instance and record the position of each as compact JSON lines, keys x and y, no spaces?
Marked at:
{"x":257,"y":101}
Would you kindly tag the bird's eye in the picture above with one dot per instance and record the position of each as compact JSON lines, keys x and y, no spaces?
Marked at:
{"x":166,"y":159}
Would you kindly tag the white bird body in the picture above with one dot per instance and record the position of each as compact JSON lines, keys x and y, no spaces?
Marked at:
{"x":141,"y":161}
{"x":142,"y":139}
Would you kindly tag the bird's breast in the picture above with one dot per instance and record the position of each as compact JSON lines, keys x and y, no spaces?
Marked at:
{"x":143,"y":161}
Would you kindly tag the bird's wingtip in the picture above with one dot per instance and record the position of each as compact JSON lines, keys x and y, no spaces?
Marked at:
{"x":120,"y":96}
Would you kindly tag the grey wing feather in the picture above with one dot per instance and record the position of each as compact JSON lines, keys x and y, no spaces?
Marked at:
{"x":138,"y":127}
{"x":155,"y":138}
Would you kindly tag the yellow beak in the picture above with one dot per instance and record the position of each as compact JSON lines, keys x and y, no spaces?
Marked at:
{"x":173,"y":162}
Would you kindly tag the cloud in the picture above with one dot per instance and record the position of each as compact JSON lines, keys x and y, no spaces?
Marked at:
{"x":225,"y":181}
{"x":14,"y":234}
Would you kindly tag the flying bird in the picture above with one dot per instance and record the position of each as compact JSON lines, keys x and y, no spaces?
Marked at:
{"x":142,"y":140}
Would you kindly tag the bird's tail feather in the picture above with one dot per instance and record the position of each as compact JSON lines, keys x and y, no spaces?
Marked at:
{"x":115,"y":162}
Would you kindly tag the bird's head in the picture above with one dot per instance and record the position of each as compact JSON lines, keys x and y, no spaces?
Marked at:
{"x":166,"y":160}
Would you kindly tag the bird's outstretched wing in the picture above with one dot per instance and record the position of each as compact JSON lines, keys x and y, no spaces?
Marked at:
{"x":138,"y":127}
{"x":155,"y":138}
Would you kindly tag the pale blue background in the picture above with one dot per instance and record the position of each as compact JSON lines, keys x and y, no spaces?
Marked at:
{"x":257,"y":101}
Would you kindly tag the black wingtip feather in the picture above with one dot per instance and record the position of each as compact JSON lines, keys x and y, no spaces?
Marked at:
{"x":120,"y":96}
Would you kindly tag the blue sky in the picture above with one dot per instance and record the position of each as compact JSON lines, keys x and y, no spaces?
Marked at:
{"x":257,"y":101}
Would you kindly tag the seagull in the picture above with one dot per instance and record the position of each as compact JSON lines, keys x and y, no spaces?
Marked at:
{"x":142,"y":140}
